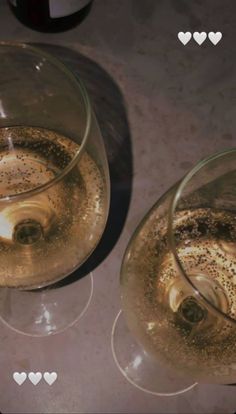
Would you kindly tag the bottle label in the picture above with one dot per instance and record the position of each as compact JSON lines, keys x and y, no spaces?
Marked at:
{"x":62,"y":8}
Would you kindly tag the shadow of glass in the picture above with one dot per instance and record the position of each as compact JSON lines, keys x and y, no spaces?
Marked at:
{"x":109,"y":107}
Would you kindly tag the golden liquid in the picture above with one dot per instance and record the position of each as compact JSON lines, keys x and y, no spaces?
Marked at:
{"x":46,"y":236}
{"x":162,"y":310}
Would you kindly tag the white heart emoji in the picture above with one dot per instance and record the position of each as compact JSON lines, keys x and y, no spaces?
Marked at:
{"x":199,"y":37}
{"x":19,"y":377}
{"x":184,"y":37}
{"x":215,"y":37}
{"x":50,"y":378}
{"x":35,"y":377}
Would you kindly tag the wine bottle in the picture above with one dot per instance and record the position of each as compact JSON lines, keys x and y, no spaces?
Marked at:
{"x":50,"y":15}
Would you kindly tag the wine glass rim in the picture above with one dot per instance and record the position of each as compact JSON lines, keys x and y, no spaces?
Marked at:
{"x":78,"y":84}
{"x":171,"y":238}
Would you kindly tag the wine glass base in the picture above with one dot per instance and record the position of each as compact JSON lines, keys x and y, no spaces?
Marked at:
{"x":141,"y":369}
{"x":46,"y":311}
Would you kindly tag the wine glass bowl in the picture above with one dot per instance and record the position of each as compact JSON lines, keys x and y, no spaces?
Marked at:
{"x":178,"y":277}
{"x":54,"y":179}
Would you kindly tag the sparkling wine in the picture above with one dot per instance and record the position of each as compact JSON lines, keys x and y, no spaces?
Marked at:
{"x":45,"y":235}
{"x":162,"y":310}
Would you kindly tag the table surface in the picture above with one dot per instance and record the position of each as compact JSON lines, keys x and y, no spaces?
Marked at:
{"x":161,"y":106}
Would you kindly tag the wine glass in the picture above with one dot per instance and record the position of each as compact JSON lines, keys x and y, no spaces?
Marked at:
{"x":54,"y":190}
{"x":178,"y":284}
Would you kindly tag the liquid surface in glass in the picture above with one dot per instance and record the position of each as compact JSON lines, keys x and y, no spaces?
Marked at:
{"x":162,"y":308}
{"x":48,"y":235}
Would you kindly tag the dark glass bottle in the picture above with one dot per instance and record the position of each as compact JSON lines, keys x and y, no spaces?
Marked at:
{"x":50,"y":15}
